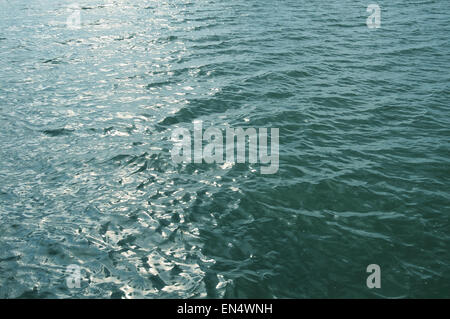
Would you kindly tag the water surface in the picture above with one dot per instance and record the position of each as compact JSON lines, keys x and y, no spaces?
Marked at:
{"x":86,"y":176}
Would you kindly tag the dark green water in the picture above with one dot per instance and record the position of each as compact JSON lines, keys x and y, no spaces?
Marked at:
{"x":86,"y":176}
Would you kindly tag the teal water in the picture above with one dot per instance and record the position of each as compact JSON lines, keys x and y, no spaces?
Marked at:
{"x":86,"y":176}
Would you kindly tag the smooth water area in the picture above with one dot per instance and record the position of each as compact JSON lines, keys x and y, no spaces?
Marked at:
{"x":87,"y":179}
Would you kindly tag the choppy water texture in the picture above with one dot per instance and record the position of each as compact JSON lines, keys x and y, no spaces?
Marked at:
{"x":86,"y":176}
